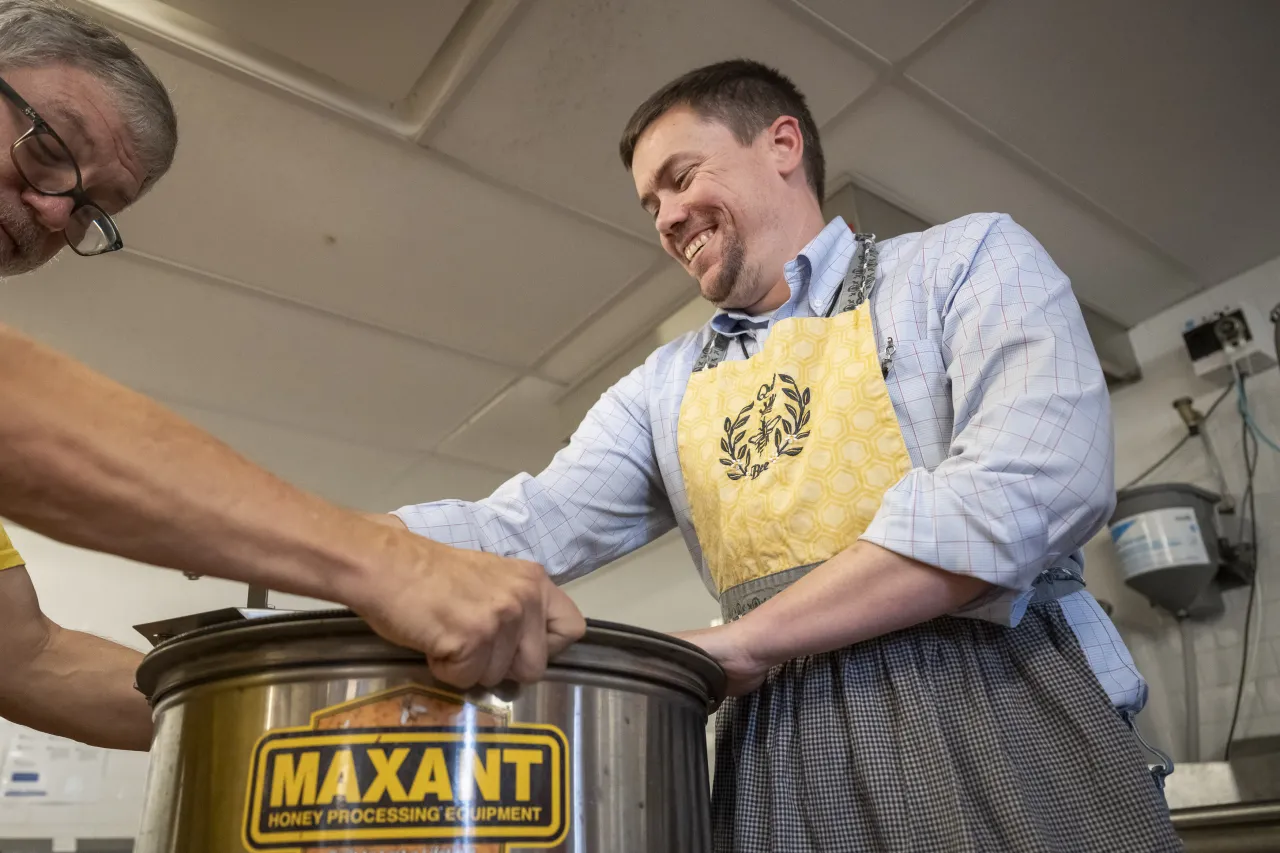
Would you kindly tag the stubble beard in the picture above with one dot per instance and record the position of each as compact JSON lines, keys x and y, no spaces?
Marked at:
{"x":728,"y":281}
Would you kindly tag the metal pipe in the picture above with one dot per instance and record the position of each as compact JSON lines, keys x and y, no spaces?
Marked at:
{"x":257,"y":597}
{"x":1238,"y":814}
{"x":1228,"y":503}
{"x":1191,"y":683}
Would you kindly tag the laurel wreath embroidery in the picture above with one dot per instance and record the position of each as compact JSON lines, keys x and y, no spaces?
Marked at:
{"x":748,"y":456}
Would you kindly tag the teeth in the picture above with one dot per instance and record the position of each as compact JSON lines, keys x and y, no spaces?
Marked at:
{"x":696,"y":244}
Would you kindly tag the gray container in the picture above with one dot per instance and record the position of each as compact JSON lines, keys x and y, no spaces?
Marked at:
{"x":1166,"y":540}
{"x":310,"y":732}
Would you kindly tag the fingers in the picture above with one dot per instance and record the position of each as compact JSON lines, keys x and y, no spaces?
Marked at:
{"x":530,"y":662}
{"x":564,"y":622}
{"x":479,"y":619}
{"x":462,"y":669}
{"x":502,"y":653}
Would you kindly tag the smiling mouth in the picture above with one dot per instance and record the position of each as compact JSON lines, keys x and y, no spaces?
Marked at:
{"x":695,"y":245}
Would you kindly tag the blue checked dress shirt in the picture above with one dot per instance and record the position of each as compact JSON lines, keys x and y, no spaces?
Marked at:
{"x":996,"y":386}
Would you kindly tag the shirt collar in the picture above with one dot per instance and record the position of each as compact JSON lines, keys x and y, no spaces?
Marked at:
{"x":813,"y":276}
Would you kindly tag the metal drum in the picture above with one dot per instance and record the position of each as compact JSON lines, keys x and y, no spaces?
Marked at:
{"x":307,"y":731}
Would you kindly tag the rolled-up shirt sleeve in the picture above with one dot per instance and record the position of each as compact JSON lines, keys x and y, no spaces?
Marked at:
{"x":1028,"y":477}
{"x":599,"y":498}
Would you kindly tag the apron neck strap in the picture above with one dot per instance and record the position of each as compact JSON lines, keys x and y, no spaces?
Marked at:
{"x":859,"y":278}
{"x":853,"y":291}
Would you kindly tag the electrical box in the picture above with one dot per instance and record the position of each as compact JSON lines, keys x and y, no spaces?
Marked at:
{"x":1238,"y":335}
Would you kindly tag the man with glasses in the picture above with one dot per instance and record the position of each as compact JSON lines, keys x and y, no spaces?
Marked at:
{"x":47,"y":165}
{"x":88,"y":130}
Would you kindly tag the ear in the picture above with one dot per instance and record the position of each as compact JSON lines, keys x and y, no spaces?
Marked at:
{"x":786,"y":145}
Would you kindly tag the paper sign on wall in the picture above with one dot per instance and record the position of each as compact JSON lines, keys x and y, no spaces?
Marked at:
{"x":46,"y":769}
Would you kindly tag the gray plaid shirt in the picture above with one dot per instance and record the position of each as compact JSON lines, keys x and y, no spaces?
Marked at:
{"x":995,"y":383}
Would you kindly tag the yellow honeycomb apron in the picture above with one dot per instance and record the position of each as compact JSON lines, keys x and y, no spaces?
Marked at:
{"x":787,"y":455}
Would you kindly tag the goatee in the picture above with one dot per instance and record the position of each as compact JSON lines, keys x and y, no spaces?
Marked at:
{"x":730,"y":271}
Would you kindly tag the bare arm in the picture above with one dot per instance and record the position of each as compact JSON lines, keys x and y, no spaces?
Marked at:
{"x":862,"y":592}
{"x":64,"y":682}
{"x":89,"y":462}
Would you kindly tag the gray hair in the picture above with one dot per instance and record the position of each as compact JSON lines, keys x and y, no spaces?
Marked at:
{"x":34,"y":33}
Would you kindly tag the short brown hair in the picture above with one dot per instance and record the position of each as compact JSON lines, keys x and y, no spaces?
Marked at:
{"x":743,"y":95}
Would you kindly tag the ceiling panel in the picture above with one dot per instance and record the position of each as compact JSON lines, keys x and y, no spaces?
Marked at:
{"x":897,"y":143}
{"x":1162,"y":111}
{"x":296,"y":202}
{"x":348,"y":474}
{"x":434,"y":478}
{"x":642,"y":309}
{"x":381,"y":55}
{"x":520,"y":431}
{"x":220,"y":348}
{"x":547,"y":112}
{"x":889,"y":28}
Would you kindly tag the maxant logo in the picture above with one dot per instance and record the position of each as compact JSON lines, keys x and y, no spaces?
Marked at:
{"x":404,"y":785}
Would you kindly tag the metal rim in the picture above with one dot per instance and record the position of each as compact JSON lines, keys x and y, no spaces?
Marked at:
{"x":274,"y":642}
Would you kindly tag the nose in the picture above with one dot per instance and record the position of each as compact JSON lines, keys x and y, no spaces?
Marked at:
{"x":52,"y":212}
{"x":671,"y":213}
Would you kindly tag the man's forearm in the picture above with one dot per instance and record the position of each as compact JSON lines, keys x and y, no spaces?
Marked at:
{"x":79,"y":686}
{"x":862,"y":592}
{"x":89,"y":462}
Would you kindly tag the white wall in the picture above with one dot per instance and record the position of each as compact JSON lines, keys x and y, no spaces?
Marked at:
{"x":1146,"y":425}
{"x":106,"y":596}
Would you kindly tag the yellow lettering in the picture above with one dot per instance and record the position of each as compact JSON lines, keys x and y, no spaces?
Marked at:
{"x":433,"y":814}
{"x":432,"y":777}
{"x":341,"y":780}
{"x":293,"y":785}
{"x":523,"y":759}
{"x":487,"y":776}
{"x":387,"y":782}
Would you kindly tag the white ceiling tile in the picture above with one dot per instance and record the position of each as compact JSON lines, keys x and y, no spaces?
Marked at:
{"x":348,"y":474}
{"x":895,"y":142}
{"x":230,"y":350}
{"x":547,"y":112}
{"x":435,"y":478}
{"x":299,"y":203}
{"x":520,"y":431}
{"x":889,"y":28}
{"x":640,"y":310}
{"x":381,"y":55}
{"x":1164,"y":112}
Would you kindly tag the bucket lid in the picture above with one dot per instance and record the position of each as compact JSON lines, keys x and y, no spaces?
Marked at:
{"x":1167,"y":488}
{"x":339,"y":637}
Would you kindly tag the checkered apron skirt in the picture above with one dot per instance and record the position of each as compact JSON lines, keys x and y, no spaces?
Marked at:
{"x":954,"y":735}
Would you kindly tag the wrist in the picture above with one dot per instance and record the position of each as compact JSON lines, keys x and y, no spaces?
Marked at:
{"x":372,"y":567}
{"x":757,"y":638}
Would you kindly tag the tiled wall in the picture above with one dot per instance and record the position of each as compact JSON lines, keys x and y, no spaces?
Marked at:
{"x":1146,"y":426}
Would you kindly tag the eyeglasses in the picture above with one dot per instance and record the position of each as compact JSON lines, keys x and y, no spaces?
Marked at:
{"x":46,"y":164}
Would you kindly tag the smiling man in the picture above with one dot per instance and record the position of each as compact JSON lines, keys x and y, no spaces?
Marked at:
{"x":885,"y":457}
{"x":87,"y":129}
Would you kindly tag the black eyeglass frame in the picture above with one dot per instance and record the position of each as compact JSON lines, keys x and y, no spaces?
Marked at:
{"x":77,"y":194}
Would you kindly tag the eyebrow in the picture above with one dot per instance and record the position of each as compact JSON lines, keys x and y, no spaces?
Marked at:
{"x":63,"y":117}
{"x":60,"y":114}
